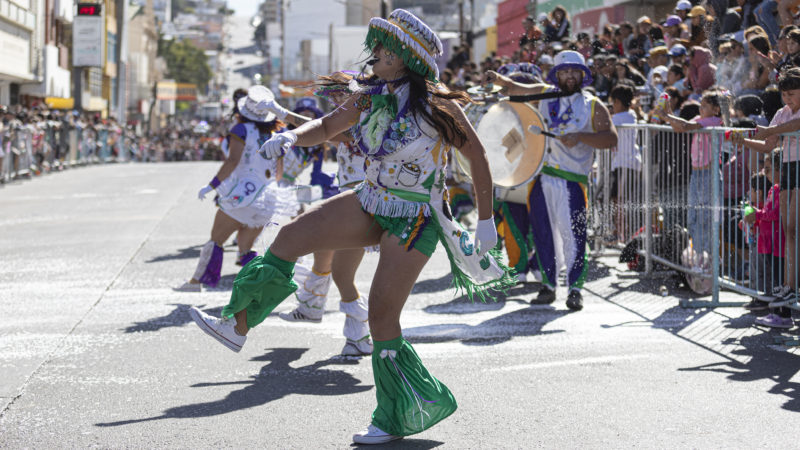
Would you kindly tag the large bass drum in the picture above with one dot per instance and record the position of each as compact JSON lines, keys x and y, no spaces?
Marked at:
{"x":515,"y":155}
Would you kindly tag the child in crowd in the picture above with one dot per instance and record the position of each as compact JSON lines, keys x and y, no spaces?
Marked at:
{"x":765,"y":219}
{"x":626,"y":163}
{"x":699,"y":201}
{"x":787,"y":119}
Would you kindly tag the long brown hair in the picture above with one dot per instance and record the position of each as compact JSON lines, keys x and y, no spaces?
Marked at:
{"x":439,"y":117}
{"x":449,"y":128}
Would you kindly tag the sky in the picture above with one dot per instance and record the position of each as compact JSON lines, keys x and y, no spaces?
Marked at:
{"x":245,"y":8}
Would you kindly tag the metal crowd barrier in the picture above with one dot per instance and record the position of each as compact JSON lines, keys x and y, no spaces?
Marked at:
{"x":666,"y":211}
{"x":28,"y":150}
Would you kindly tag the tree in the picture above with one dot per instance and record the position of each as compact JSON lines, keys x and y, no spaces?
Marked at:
{"x":186,"y":63}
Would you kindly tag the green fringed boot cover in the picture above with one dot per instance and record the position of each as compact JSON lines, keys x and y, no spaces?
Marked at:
{"x":410,"y":399}
{"x":259,"y":287}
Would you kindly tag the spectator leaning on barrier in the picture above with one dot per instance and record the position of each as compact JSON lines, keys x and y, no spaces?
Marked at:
{"x":700,"y":182}
{"x":787,"y":119}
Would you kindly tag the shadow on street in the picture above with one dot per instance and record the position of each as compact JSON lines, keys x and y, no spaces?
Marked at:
{"x":274,"y":381}
{"x":752,"y":358}
{"x":176,"y":318}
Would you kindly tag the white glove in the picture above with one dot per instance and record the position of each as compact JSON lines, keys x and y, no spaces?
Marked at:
{"x":277,"y":109}
{"x":201,"y":194}
{"x":277,"y":145}
{"x":485,"y":236}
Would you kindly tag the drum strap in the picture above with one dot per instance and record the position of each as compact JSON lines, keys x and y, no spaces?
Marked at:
{"x":537,"y":97}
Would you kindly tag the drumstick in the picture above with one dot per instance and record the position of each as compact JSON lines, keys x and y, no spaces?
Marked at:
{"x":536,"y":129}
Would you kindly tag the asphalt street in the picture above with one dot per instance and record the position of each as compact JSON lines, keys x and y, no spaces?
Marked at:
{"x":96,"y":350}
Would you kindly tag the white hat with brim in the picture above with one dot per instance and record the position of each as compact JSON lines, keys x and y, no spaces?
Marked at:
{"x":567,"y":60}
{"x":254,"y":105}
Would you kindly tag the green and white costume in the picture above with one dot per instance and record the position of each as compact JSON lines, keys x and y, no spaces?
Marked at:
{"x":404,"y":191}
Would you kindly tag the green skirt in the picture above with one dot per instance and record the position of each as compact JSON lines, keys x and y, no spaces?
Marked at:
{"x":410,"y":399}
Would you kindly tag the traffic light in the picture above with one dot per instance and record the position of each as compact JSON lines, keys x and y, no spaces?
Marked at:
{"x":89,"y":9}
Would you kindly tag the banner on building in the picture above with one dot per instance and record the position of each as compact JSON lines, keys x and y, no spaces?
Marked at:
{"x":170,"y":90}
{"x":88,"y":41}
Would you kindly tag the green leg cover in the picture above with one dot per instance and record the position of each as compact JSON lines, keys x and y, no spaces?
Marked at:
{"x":410,"y":399}
{"x":260,"y":286}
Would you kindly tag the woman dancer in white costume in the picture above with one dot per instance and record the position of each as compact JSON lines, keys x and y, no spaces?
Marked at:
{"x":248,"y":197}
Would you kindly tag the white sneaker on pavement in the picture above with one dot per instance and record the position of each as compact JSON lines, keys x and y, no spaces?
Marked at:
{"x":374,"y":435}
{"x":221,"y":329}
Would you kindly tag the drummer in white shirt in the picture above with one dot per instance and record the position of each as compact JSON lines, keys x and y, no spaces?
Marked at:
{"x":558,"y":197}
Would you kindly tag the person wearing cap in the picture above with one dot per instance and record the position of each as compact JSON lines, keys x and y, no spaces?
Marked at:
{"x":674,"y":29}
{"x":682,"y":9}
{"x":558,"y":203}
{"x":545,"y":63}
{"x":697,"y":32}
{"x":405,"y":123}
{"x":659,"y":56}
{"x":677,"y":54}
{"x":248,"y":197}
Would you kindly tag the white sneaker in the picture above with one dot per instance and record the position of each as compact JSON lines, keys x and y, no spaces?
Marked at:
{"x":296,"y":316}
{"x":374,"y":435}
{"x":221,"y":329}
{"x":188,"y":286}
{"x":357,"y":348}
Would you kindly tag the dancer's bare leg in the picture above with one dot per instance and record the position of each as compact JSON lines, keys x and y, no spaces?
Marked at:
{"x":224,"y":226}
{"x":345,"y":265}
{"x":246,"y":238}
{"x":398,"y":270}
{"x":323,"y":261}
{"x":336,"y":223}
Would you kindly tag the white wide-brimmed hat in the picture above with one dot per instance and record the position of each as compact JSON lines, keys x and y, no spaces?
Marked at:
{"x":254,"y":105}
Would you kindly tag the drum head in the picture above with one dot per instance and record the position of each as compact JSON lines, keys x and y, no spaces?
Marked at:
{"x":515,"y":155}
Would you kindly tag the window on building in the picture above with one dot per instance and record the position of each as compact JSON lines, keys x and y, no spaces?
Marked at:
{"x":111,"y":54}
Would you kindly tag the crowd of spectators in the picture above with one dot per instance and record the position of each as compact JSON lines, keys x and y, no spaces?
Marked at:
{"x":709,"y":64}
{"x":37,"y":140}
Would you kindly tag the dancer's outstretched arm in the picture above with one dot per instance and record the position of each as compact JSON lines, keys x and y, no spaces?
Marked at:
{"x":316,"y":131}
{"x":472,"y":149}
